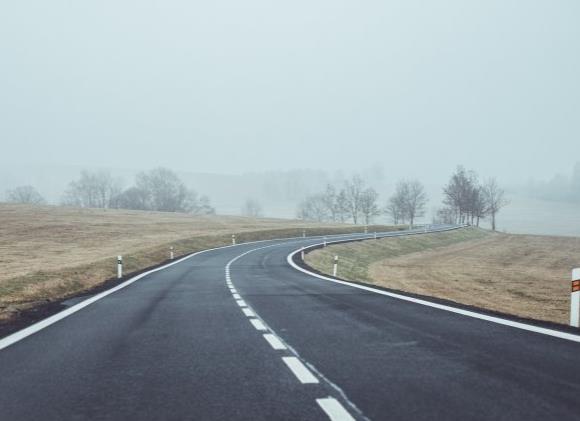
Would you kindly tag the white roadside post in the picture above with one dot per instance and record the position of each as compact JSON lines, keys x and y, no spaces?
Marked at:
{"x":335,"y":269}
{"x":324,"y":241}
{"x":302,"y":253}
{"x":171,"y":254}
{"x":375,"y":235}
{"x":575,"y":299}
{"x":119,"y":267}
{"x":303,"y":233}
{"x":233,"y":239}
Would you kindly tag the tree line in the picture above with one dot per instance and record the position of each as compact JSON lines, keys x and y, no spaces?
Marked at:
{"x":159,"y":190}
{"x":355,"y":202}
{"x":468,"y":201}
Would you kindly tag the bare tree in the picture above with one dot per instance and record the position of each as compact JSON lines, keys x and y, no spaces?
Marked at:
{"x":330,"y":199}
{"x":416,"y":200}
{"x":368,"y":205}
{"x":131,"y":198}
{"x":494,"y":199}
{"x":313,"y":208}
{"x":353,"y":190}
{"x":461,"y":194}
{"x":396,"y":206}
{"x":342,"y":208}
{"x":92,"y":190}
{"x":25,"y":194}
{"x":252,"y":208}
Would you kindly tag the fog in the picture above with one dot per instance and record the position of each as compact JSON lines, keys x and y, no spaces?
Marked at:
{"x":404,"y":89}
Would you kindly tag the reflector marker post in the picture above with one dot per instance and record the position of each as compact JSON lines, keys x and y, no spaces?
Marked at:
{"x":575,"y":299}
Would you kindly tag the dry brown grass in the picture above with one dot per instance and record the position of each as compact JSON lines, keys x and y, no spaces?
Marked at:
{"x":50,"y":253}
{"x":525,"y":275}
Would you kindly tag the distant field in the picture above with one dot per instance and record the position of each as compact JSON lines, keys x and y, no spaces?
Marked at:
{"x":525,"y":275}
{"x":49,"y":253}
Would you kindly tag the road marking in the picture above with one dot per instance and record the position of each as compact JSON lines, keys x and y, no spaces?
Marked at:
{"x":258,"y":324}
{"x":241,"y":303}
{"x":274,"y":342}
{"x":233,"y":290}
{"x":300,"y":370}
{"x":237,"y":296}
{"x":493,"y":319}
{"x":334,"y":409}
{"x":249,"y":312}
{"x":43,"y":324}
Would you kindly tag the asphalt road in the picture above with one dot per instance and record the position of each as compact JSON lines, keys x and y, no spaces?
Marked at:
{"x":237,"y":333}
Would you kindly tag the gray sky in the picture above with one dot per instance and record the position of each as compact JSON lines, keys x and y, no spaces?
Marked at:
{"x":235,"y":86}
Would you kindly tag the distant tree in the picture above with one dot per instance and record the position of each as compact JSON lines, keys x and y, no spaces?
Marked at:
{"x":92,"y":190}
{"x":131,"y":198}
{"x":252,"y":208}
{"x":369,"y":207}
{"x":25,"y":194}
{"x":203,"y":206}
{"x":342,"y":207}
{"x":313,"y":208}
{"x":330,"y":199}
{"x":353,"y":191}
{"x":444,"y":216}
{"x":416,"y":200}
{"x":494,"y":199}
{"x":396,"y":208}
{"x":164,"y":190}
{"x":460,"y":194}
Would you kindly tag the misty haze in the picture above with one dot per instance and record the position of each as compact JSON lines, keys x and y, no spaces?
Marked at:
{"x":136,"y":134}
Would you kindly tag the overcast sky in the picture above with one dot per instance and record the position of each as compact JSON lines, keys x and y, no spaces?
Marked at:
{"x":236,"y":86}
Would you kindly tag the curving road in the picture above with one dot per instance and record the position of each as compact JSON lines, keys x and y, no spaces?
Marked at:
{"x":239,"y":333}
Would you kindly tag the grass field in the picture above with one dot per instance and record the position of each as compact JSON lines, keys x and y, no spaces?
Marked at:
{"x":524,"y":275}
{"x":50,"y":253}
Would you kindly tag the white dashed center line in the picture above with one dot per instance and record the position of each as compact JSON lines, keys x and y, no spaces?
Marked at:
{"x":258,"y":324}
{"x":274,"y":342}
{"x":300,"y":370}
{"x":334,"y":409}
{"x":249,"y":312}
{"x":331,"y":406}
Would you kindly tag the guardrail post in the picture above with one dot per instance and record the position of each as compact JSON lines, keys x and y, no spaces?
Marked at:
{"x":233,"y":239}
{"x":335,"y":269}
{"x":171,"y":254}
{"x":119,"y":267}
{"x":575,"y":299}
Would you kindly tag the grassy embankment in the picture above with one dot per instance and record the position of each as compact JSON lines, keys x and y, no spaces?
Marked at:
{"x":51,"y":253}
{"x":524,"y":275}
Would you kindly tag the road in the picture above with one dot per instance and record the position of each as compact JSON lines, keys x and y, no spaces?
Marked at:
{"x":237,"y":333}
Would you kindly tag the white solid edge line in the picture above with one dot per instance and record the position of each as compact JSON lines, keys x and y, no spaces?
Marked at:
{"x":237,"y":296}
{"x":249,"y":312}
{"x":274,"y":342}
{"x":334,"y":409}
{"x":30,"y":330}
{"x":300,"y":370}
{"x":38,"y":326}
{"x":258,"y":324}
{"x":468,"y":313}
{"x":241,"y":303}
